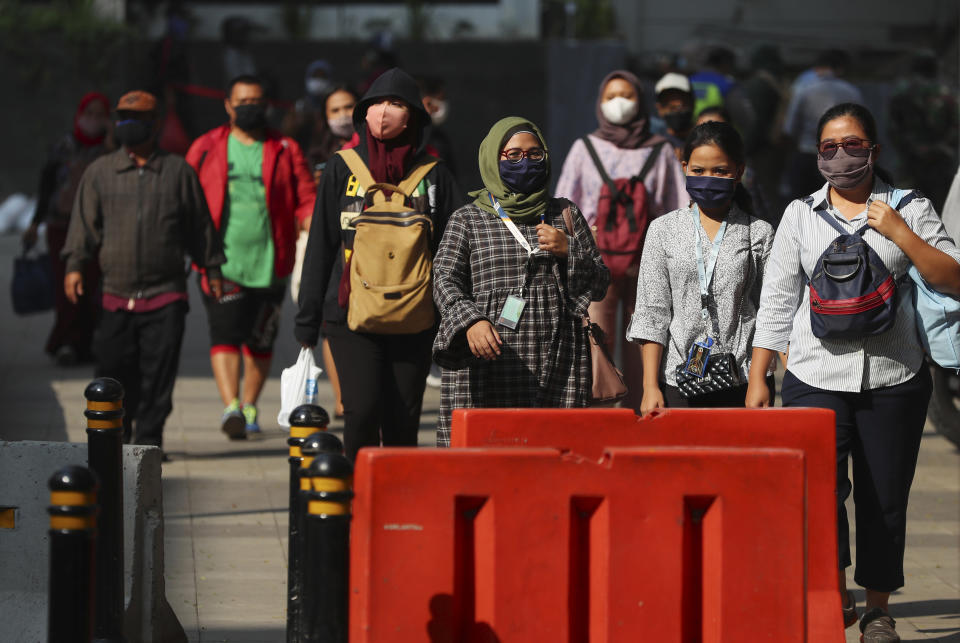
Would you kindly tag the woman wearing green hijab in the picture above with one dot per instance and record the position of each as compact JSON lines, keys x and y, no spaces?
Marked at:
{"x":512,"y":284}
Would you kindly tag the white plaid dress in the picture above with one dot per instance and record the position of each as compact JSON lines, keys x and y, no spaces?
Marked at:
{"x":545,"y":362}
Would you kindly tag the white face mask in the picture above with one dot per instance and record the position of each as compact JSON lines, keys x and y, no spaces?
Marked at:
{"x":342,"y":127}
{"x":439,"y":117}
{"x":619,"y":110}
{"x":318,"y":86}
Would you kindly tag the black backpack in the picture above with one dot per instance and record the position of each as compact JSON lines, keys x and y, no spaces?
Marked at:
{"x":852,"y":293}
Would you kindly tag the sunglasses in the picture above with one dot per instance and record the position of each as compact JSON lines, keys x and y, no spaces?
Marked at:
{"x":516,"y":154}
{"x":852,"y":145}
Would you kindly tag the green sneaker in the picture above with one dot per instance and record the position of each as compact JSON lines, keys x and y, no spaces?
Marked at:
{"x":232,"y":422}
{"x":250,"y":416}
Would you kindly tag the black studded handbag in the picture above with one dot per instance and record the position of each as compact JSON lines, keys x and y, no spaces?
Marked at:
{"x":722,"y":374}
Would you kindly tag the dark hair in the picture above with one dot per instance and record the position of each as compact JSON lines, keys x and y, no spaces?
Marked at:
{"x":245,"y":79}
{"x":339,"y":87}
{"x":724,"y":136}
{"x":863,"y":116}
{"x":836,"y":59}
{"x":719,"y":111}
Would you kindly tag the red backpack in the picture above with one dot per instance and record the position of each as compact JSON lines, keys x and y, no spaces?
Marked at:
{"x":622,"y":217}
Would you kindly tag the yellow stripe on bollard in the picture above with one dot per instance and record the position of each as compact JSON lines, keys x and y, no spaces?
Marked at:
{"x":330,"y":484}
{"x":73,"y":522}
{"x":326,"y":508}
{"x":72,"y":498}
{"x":105,"y":424}
{"x":94,"y":405}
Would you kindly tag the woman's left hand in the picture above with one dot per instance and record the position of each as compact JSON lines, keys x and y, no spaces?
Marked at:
{"x":885,"y":220}
{"x":553,"y":240}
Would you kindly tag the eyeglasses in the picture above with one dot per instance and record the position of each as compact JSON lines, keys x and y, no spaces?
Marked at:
{"x":515,"y":155}
{"x":852,"y":145}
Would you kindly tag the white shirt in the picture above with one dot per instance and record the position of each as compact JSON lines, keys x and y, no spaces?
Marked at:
{"x":851,"y":365}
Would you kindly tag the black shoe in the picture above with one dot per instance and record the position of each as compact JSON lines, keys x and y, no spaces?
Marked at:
{"x":234,"y":425}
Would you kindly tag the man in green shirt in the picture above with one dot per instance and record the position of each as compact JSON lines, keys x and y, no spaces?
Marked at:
{"x":260,"y":193}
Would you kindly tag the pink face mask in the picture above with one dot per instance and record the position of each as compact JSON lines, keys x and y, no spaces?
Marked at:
{"x":387,"y":121}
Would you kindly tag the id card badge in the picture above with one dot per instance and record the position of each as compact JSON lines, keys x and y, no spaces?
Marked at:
{"x":698,"y":357}
{"x":512,"y":309}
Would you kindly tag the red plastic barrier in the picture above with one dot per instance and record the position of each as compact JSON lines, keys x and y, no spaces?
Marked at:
{"x":530,"y":545}
{"x":588,"y":432}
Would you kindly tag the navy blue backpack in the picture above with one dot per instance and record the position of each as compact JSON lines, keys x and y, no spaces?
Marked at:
{"x":852,"y":293}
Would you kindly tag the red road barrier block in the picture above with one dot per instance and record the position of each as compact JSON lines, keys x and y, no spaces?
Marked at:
{"x":588,"y":432}
{"x":530,"y":545}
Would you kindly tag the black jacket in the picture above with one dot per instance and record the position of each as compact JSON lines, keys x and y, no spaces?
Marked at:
{"x":331,"y":230}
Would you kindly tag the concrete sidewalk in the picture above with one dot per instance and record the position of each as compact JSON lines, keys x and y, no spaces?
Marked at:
{"x":225,"y":502}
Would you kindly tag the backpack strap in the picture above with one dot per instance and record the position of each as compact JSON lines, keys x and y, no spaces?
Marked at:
{"x":615,"y":193}
{"x":651,"y":161}
{"x":822,"y":213}
{"x":903,"y":197}
{"x":358,"y":167}
{"x":412,"y":180}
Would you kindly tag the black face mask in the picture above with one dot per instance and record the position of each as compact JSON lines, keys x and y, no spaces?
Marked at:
{"x":526,"y":177}
{"x":132,"y":132}
{"x":251,"y":117}
{"x":679,"y":121}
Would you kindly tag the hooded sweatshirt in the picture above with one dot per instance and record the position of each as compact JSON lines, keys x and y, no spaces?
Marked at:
{"x":331,"y":231}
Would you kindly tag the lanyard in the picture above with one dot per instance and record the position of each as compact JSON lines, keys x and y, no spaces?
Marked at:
{"x":512,"y":227}
{"x":705,"y":273}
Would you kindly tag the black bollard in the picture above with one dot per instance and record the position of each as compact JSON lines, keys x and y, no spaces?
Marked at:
{"x":305,"y":420}
{"x":105,"y":456}
{"x":327,"y":548}
{"x":319,"y":442}
{"x":73,"y":513}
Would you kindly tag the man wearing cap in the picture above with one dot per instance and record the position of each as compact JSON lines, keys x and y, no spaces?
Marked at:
{"x":139,"y":210}
{"x":675,"y":107}
{"x":260,"y":192}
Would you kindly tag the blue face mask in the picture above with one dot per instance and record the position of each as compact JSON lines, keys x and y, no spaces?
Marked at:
{"x":525,"y":177}
{"x":710,"y":191}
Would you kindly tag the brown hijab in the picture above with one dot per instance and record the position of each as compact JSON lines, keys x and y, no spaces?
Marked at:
{"x":630,"y":135}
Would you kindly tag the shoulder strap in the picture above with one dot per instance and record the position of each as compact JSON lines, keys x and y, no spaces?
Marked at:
{"x":903,"y":197}
{"x":358,"y":167}
{"x":410,"y":183}
{"x":614,"y":192}
{"x":822,"y":213}
{"x":651,"y":161}
{"x":568,"y":220}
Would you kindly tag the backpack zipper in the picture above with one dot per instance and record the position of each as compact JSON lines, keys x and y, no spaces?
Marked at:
{"x":854,"y":305}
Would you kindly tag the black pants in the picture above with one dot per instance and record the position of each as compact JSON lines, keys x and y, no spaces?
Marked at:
{"x":142,"y":352}
{"x":880,"y":430}
{"x":382,"y":378}
{"x":731,"y":398}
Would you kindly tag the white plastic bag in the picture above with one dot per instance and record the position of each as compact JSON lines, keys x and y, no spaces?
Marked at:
{"x":298,"y":385}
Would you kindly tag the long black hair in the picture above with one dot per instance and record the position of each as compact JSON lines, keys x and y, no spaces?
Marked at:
{"x":724,"y":136}
{"x":863,"y":116}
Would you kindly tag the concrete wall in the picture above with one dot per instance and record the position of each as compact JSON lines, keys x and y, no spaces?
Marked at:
{"x":25,"y":468}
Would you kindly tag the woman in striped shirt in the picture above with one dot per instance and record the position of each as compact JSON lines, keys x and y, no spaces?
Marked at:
{"x":877,"y":385}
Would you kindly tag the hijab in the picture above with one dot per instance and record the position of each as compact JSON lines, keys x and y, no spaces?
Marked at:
{"x":516,"y":206}
{"x":78,"y":134}
{"x":633,"y":134}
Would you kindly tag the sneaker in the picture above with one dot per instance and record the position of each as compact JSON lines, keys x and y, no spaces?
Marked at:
{"x":878,"y":627}
{"x":232,"y":422}
{"x":250,"y":416}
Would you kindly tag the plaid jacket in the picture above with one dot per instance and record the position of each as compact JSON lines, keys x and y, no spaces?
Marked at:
{"x":140,"y":222}
{"x":545,"y":362}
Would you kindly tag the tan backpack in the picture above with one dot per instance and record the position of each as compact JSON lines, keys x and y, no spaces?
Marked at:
{"x":391,"y":289}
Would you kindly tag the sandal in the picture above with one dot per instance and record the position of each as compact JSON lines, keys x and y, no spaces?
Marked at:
{"x":850,"y":616}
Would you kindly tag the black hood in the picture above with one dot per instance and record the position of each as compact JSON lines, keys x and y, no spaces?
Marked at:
{"x":395,"y":82}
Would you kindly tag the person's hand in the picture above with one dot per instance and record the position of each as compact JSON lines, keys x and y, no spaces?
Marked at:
{"x":652,"y":399}
{"x":216,"y":287}
{"x":885,"y":220}
{"x":553,"y":240}
{"x":484,"y":340}
{"x":73,"y":286}
{"x":29,"y":238}
{"x":305,"y":224}
{"x":758,"y":395}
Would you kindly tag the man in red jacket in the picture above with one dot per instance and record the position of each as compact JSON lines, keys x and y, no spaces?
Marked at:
{"x":260,"y":193}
